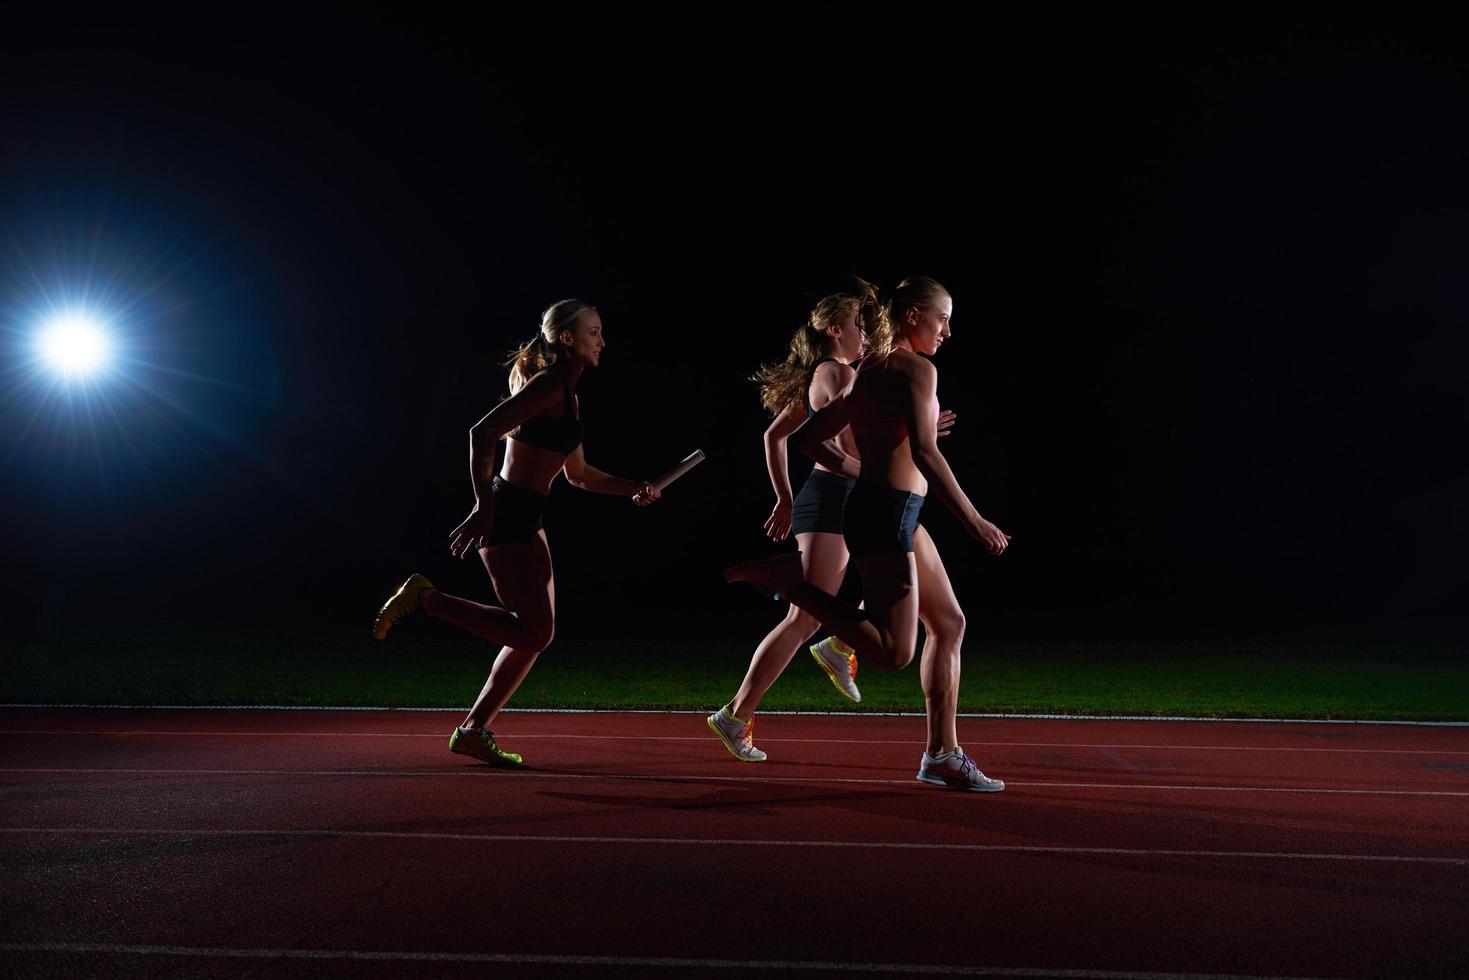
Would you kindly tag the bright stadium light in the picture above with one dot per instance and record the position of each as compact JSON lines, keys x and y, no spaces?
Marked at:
{"x":73,"y":344}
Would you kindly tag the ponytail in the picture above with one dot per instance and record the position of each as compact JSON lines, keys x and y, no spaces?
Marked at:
{"x":542,"y":350}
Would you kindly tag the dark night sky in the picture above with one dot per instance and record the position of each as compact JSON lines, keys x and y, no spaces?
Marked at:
{"x":1210,"y":300}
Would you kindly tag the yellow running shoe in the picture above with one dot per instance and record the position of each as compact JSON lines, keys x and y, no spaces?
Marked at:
{"x":481,"y":745}
{"x":403,"y":602}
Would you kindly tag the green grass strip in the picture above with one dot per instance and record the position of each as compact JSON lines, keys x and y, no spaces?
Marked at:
{"x":431,"y":667}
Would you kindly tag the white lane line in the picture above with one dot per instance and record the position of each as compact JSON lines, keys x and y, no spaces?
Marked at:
{"x":707,"y":738}
{"x":1244,"y":789}
{"x":615,"y":961}
{"x":701,"y":711}
{"x":483,"y":772}
{"x":740,"y":842}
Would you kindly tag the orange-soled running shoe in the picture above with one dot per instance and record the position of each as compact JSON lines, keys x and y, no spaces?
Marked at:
{"x":840,"y":666}
{"x":736,"y":735}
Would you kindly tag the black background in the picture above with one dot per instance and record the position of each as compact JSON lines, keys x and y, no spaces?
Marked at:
{"x":1209,"y":307}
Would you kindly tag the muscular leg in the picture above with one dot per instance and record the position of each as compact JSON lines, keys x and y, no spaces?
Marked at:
{"x":943,"y":621}
{"x":499,"y":625}
{"x":823,"y":559}
{"x":524,"y":581}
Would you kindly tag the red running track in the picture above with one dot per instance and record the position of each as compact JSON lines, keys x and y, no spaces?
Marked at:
{"x":261,"y":843}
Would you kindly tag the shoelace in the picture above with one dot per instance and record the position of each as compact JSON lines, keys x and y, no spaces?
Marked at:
{"x":852,"y":667}
{"x":747,"y":734}
{"x":489,"y":740}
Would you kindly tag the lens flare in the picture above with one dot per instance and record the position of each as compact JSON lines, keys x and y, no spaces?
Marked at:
{"x":74,"y":345}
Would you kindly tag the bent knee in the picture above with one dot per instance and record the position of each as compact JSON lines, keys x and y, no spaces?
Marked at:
{"x":889,"y":657}
{"x":946,"y":628}
{"x":798,"y":618}
{"x":536,"y":636}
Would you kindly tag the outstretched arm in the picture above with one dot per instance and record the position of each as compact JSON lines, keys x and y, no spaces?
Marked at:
{"x":922,"y":418}
{"x":585,"y":476}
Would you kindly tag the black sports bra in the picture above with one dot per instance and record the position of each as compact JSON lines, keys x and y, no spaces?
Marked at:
{"x":558,"y":433}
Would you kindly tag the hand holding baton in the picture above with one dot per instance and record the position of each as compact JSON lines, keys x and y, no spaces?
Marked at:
{"x":653,"y":491}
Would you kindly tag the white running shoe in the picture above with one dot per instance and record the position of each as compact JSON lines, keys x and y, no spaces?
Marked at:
{"x":840,"y":667}
{"x":956,"y":771}
{"x":736,"y":735}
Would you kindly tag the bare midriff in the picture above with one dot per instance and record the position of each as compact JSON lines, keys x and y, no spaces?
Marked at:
{"x":530,"y":466}
{"x":880,"y":429}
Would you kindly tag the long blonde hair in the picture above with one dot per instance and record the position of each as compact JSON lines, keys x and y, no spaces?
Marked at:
{"x":784,"y":383}
{"x":533,"y":357}
{"x":882,"y":330}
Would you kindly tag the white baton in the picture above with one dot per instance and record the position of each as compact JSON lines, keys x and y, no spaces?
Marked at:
{"x":689,"y":462}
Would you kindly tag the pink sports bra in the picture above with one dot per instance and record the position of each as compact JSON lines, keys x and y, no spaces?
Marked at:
{"x":878,"y":419}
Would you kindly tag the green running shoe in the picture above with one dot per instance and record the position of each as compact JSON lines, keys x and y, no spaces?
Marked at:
{"x":481,"y":745}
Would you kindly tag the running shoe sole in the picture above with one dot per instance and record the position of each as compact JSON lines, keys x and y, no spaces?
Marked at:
{"x":965,"y":786}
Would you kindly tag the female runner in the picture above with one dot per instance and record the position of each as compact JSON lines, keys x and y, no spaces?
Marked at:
{"x":543,"y":422}
{"x":892,"y":409}
{"x":816,"y":370}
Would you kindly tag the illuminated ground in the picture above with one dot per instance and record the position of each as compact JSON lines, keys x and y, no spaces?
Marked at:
{"x":228,"y":843}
